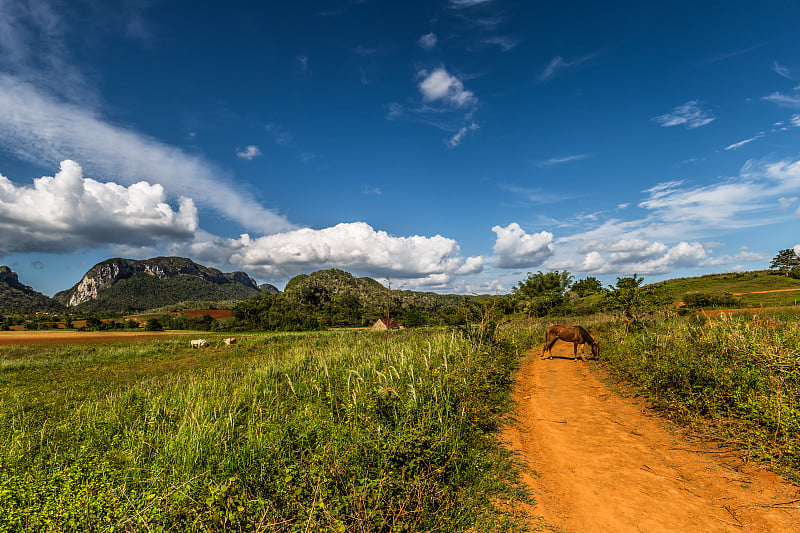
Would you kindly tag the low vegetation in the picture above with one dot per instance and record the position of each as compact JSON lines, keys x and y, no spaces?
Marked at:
{"x":737,"y":377}
{"x":330,"y":431}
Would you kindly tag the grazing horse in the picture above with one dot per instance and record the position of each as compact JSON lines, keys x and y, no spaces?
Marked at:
{"x":574,"y":334}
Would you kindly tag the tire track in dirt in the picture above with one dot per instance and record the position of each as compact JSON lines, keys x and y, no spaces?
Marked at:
{"x":601,"y":462}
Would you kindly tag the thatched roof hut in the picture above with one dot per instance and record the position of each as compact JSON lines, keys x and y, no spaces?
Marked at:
{"x":384,"y":324}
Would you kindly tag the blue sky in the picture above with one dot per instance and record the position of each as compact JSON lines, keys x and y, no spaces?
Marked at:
{"x":452,"y":145}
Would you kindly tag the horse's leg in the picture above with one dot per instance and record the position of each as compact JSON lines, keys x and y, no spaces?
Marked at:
{"x":575,"y":351}
{"x":547,"y":347}
{"x":583,"y":347}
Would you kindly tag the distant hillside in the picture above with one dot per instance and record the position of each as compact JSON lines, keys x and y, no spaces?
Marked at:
{"x":750,"y":289}
{"x":134,"y":285}
{"x":326,"y":284}
{"x":18,"y":298}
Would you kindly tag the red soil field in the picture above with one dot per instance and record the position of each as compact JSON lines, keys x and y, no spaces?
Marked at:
{"x":213,"y":313}
{"x":77,"y":337}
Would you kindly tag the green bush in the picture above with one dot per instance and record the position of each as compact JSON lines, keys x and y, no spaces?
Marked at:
{"x":699,"y":299}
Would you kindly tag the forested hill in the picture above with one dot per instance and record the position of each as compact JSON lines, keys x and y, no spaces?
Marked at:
{"x":336,"y":298}
{"x":135,"y":285}
{"x":337,"y":284}
{"x":16,"y":298}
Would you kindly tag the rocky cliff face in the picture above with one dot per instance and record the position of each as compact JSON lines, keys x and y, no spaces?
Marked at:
{"x":98,"y":278}
{"x":104,"y":275}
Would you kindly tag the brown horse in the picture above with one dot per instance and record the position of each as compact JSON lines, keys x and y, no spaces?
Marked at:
{"x":574,"y":334}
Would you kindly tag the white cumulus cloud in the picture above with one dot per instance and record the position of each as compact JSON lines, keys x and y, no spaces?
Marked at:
{"x":66,"y":212}
{"x":744,"y":256}
{"x":515,"y":248}
{"x":440,"y":85}
{"x":352,"y":246}
{"x":642,"y":257}
{"x":249,"y":153}
{"x":428,"y":41}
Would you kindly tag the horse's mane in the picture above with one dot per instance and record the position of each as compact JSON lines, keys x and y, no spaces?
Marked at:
{"x":586,"y":336}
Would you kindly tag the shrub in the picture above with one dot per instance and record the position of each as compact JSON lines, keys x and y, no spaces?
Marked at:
{"x":699,"y":299}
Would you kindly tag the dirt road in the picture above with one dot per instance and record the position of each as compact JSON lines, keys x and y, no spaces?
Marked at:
{"x":602,"y":462}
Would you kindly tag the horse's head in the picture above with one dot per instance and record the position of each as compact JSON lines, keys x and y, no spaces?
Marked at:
{"x":596,"y":350}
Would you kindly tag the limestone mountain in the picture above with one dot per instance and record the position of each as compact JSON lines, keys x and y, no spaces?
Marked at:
{"x":135,"y":285}
{"x":335,"y":284}
{"x":18,"y":298}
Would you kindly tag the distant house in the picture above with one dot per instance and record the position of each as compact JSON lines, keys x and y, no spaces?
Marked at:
{"x":384,"y":324}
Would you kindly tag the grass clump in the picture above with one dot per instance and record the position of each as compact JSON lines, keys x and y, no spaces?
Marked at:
{"x":345,"y":431}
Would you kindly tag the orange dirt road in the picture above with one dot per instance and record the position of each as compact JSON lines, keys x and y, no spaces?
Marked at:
{"x":602,"y":462}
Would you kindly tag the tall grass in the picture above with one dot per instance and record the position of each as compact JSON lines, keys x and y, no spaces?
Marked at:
{"x":346,"y":431}
{"x":740,"y":373}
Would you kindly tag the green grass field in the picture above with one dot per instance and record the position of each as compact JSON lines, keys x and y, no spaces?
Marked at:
{"x":745,"y":282}
{"x":329,"y":431}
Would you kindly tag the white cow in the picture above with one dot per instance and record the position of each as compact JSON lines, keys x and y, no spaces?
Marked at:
{"x":230,"y":340}
{"x":198,"y":343}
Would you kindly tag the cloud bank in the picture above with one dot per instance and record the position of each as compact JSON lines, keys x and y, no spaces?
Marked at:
{"x":68,"y":212}
{"x":352,"y":246}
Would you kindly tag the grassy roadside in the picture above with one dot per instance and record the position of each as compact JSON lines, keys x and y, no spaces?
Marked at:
{"x":330,"y":431}
{"x":738,"y":377}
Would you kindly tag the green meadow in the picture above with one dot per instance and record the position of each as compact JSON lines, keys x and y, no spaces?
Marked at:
{"x":329,"y":431}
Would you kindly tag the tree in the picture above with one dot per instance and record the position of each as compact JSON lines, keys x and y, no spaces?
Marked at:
{"x":585,"y":287}
{"x":543,"y":283}
{"x":632,"y":300}
{"x":154,"y":324}
{"x":541,"y":292}
{"x":785,"y":261}
{"x":626,"y":295}
{"x":414,"y":318}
